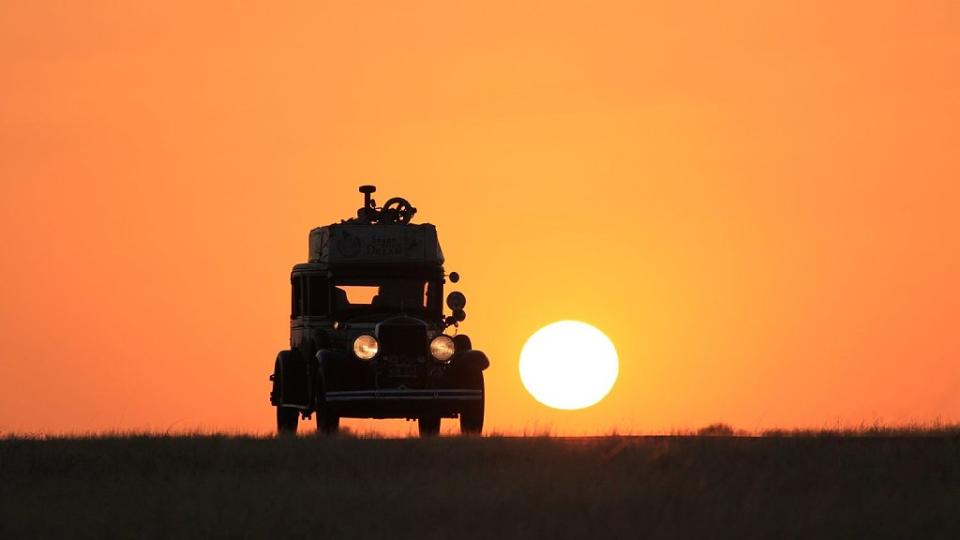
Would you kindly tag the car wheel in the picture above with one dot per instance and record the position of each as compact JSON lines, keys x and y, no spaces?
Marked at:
{"x":471,"y":417}
{"x":429,"y":425}
{"x":327,"y":422}
{"x":287,"y":420}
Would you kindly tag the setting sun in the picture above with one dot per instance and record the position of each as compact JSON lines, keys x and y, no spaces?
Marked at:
{"x":568,"y":365}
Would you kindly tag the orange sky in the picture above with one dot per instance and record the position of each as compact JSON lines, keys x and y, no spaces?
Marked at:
{"x":757,"y":203}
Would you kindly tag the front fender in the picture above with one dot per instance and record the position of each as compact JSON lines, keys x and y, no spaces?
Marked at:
{"x":291,"y":386}
{"x":474,"y":359}
{"x":331,"y":367}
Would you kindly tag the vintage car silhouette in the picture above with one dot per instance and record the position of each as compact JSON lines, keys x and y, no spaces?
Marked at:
{"x":368,"y":336}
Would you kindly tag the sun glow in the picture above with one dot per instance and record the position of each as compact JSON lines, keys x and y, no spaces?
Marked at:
{"x":568,"y":365}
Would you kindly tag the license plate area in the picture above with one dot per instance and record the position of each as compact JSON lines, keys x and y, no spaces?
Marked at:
{"x":402,"y":371}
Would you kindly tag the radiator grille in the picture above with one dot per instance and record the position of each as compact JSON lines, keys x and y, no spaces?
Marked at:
{"x":405,"y":340}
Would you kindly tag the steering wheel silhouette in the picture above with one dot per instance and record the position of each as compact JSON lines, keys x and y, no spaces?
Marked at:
{"x":398,"y":210}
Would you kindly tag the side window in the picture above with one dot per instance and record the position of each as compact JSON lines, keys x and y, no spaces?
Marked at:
{"x":318,"y":295}
{"x":296,"y":286}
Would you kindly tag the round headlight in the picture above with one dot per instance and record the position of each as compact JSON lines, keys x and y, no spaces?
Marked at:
{"x":442,"y":348}
{"x":365,"y":347}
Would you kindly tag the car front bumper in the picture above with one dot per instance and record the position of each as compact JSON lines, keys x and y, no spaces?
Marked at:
{"x":401,"y":403}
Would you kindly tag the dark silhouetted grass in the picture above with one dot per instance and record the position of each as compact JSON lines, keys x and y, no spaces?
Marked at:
{"x":803,"y":485}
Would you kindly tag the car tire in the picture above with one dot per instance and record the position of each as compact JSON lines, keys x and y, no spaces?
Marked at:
{"x":429,"y":425}
{"x":328,"y":423}
{"x":287,"y":420}
{"x":471,"y":417}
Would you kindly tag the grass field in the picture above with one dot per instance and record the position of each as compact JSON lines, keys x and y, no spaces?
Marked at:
{"x":801,"y":485}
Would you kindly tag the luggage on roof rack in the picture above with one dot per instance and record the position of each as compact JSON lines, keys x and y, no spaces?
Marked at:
{"x":357,"y":242}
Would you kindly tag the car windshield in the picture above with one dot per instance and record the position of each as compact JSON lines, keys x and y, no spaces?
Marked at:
{"x":358,"y":296}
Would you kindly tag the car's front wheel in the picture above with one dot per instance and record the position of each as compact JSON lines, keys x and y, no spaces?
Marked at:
{"x":429,"y":425}
{"x":328,"y":423}
{"x":287,"y":420}
{"x":471,"y":417}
